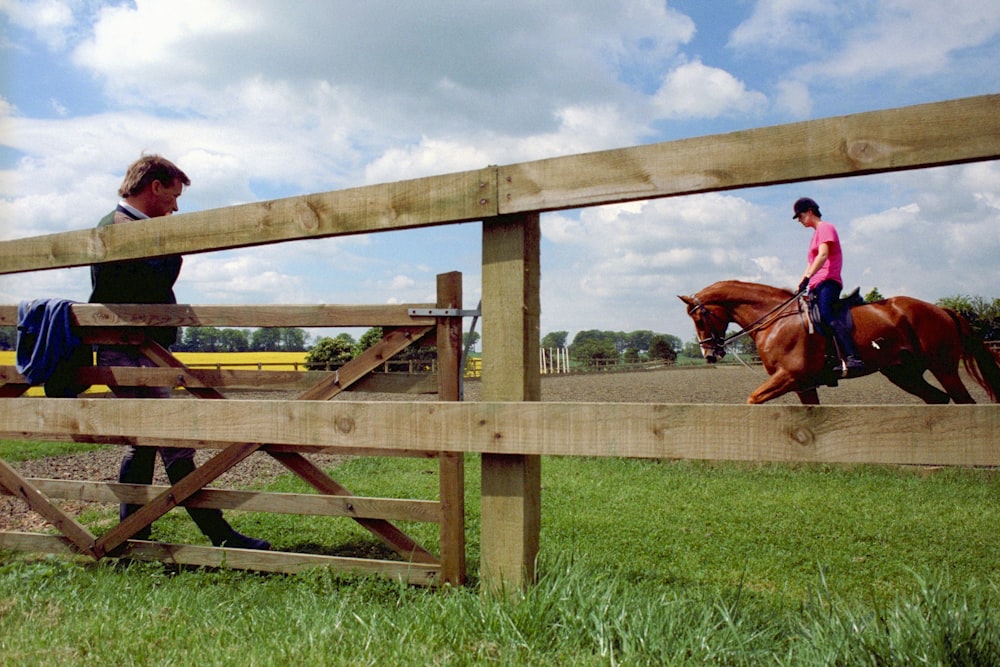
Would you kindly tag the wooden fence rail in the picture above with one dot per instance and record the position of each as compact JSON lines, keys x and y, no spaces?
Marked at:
{"x":965,"y":435}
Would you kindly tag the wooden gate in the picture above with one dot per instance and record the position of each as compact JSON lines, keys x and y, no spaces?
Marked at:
{"x":403,"y":325}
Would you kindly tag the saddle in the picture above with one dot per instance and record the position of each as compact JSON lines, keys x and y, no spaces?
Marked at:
{"x":841,"y":309}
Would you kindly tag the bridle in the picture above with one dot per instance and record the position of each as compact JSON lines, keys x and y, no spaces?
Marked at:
{"x":718,"y":342}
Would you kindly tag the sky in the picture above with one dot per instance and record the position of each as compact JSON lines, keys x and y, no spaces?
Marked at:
{"x":263,"y":99}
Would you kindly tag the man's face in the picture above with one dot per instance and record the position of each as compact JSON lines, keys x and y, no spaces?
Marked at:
{"x":164,"y":200}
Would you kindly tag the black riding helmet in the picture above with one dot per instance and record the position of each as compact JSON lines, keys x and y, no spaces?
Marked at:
{"x":804,"y":204}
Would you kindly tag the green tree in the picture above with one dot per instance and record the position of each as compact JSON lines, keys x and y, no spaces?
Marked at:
{"x":662,"y":347}
{"x":593,"y":345}
{"x":330,"y":353}
{"x":555,"y":339}
{"x":692,"y":350}
{"x":200,"y":339}
{"x":233,"y":340}
{"x":293,"y":339}
{"x":873,"y":296}
{"x":983,"y":315}
{"x":414,"y":352}
{"x":279,"y":339}
{"x":369,"y":338}
{"x":641,"y":340}
{"x":265,"y":340}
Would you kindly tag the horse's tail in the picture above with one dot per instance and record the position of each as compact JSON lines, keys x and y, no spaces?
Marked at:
{"x":978,"y":359}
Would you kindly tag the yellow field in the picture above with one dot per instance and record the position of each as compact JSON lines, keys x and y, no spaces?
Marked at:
{"x":268,"y":361}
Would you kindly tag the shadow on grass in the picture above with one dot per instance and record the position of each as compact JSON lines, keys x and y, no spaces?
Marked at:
{"x":358,"y":548}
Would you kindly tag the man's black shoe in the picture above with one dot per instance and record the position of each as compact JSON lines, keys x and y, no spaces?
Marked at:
{"x":237,"y":540}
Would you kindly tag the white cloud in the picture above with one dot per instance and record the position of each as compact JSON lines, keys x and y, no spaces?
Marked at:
{"x":48,"y":20}
{"x":793,"y":98}
{"x":428,"y":157}
{"x":790,"y":25}
{"x":881,"y":225}
{"x":238,"y":277}
{"x":911,"y":38}
{"x":408,"y":64}
{"x":695,"y":90}
{"x":855,"y":39}
{"x":402,"y":282}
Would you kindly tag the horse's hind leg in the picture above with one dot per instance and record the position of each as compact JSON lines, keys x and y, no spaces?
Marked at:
{"x":953,"y":384}
{"x":911,"y":380}
{"x":809,"y":396}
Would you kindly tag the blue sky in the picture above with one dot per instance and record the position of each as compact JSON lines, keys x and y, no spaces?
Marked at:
{"x":259,"y":99}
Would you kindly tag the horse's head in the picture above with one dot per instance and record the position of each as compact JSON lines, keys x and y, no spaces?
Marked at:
{"x":710,"y":324}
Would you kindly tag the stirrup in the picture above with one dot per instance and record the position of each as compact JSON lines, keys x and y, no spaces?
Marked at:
{"x":849,"y":368}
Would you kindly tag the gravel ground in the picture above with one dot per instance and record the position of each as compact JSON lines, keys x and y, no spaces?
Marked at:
{"x":730,"y":384}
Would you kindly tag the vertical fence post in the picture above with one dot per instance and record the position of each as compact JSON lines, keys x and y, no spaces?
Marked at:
{"x":511,"y":484}
{"x":451,"y":464}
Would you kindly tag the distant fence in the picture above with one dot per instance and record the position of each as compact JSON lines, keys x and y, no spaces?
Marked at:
{"x":619,"y":366}
{"x":553,"y":360}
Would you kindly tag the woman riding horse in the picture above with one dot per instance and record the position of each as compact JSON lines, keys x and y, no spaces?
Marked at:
{"x":822,"y":278}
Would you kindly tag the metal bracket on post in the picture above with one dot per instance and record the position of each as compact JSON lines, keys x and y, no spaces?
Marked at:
{"x":442,"y":312}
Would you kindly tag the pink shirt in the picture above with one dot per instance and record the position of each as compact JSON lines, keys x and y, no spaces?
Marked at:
{"x":826,"y":233}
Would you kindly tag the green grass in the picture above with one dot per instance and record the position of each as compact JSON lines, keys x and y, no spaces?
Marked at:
{"x":643,"y":563}
{"x":17,"y":450}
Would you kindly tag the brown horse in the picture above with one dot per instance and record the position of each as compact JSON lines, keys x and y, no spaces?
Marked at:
{"x":900,"y":337}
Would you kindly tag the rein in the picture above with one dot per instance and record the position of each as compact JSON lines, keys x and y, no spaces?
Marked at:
{"x":761,"y":322}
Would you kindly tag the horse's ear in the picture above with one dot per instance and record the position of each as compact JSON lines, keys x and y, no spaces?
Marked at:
{"x":686,"y":299}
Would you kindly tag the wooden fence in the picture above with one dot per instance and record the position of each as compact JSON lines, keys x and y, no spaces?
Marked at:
{"x":510,"y":429}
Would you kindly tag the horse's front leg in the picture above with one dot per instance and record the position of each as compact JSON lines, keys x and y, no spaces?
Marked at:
{"x":780,"y":383}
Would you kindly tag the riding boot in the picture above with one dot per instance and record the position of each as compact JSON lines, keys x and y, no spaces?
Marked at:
{"x":210,"y":521}
{"x":853,"y":366}
{"x":137,"y":468}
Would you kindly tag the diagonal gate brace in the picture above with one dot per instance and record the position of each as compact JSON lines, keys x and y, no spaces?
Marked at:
{"x":82,"y":538}
{"x":175,"y":495}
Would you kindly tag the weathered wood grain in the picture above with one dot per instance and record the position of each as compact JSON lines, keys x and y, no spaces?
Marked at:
{"x":964,"y":435}
{"x":219,"y":557}
{"x":427,"y":511}
{"x":913,"y":137}
{"x":433,"y":200}
{"x":511,"y":505}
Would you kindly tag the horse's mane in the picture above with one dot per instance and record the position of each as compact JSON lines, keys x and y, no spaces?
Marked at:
{"x":738,"y":290}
